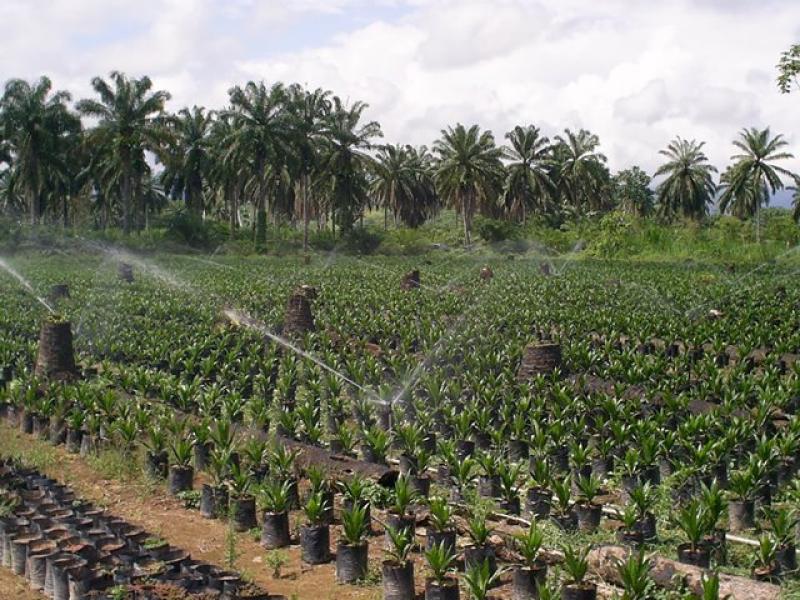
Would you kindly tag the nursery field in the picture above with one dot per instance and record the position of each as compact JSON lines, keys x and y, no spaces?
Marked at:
{"x":335,"y":427}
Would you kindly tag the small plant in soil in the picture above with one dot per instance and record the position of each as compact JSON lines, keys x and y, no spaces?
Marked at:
{"x":477,"y":528}
{"x":576,"y":567}
{"x":765,"y":566}
{"x":529,"y":543}
{"x":274,"y":496}
{"x":276,"y":560}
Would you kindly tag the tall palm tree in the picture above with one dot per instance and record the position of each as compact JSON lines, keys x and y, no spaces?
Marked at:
{"x":748,"y":183}
{"x":528,"y":185}
{"x":36,"y":124}
{"x":260,"y":133}
{"x":468,"y":170}
{"x":307,"y":112}
{"x":130,"y":121}
{"x":346,"y":161}
{"x":689,"y":186}
{"x":580,"y":170}
{"x":188,"y":159}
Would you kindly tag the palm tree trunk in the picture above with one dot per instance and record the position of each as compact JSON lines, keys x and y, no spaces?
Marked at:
{"x":34,"y":204}
{"x":65,"y":210}
{"x":466,"y":206}
{"x":126,"y":201}
{"x":304,"y":186}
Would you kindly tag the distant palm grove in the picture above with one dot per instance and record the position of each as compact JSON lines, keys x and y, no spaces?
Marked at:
{"x":286,"y":154}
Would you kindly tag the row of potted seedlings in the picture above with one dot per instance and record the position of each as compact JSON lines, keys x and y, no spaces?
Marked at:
{"x":70,"y":550}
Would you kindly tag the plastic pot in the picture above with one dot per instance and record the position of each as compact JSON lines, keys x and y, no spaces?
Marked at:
{"x":698,"y":557}
{"x":275,"y":530}
{"x":398,"y":580}
{"x":538,"y":501}
{"x":567,"y":522}
{"x":74,"y":438}
{"x":446,"y":590}
{"x":489,"y":487}
{"x":786,"y":557}
{"x":581,"y":591}
{"x":588,"y":516}
{"x":399,"y":522}
{"x":351,"y":561}
{"x":474,"y":555}
{"x":741,"y":515}
{"x":243,"y":513}
{"x":434,"y":538}
{"x":315,"y":544}
{"x":526,"y":580}
{"x":180,"y":479}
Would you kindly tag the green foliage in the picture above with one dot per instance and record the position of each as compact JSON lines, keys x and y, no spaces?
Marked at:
{"x":479,"y":579}
{"x":575,"y":563}
{"x":529,"y":543}
{"x":355,"y":524}
{"x":440,"y":561}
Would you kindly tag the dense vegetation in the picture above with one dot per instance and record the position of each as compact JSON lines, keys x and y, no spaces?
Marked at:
{"x":677,"y":397}
{"x":286,"y":155}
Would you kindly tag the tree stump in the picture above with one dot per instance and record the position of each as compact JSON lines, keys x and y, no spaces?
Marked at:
{"x":487,"y":273}
{"x":539,"y":359}
{"x":298,"y":319}
{"x":125,"y":272}
{"x":58,"y":291}
{"x":56,"y":357}
{"x":410,"y":281}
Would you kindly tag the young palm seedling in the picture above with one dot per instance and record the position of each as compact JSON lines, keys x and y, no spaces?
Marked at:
{"x":576,"y":567}
{"x":352,"y":548}
{"x":398,"y":569}
{"x":480,"y":550}
{"x":479,"y":578}
{"x":440,"y":525}
{"x":273,"y":498}
{"x":181,"y":473}
{"x":441,"y":585}
{"x":533,"y":572}
{"x":315,"y":534}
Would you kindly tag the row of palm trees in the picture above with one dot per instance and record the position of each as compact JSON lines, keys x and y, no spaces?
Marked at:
{"x":298,"y":155}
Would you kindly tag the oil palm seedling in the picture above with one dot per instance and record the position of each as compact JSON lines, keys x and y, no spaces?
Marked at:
{"x":441,"y":559}
{"x":398,"y":568}
{"x":352,"y":548}
{"x":274,"y":500}
{"x":576,"y":567}
{"x":533,"y":572}
{"x":181,"y":472}
{"x":440,"y":525}
{"x":315,"y":534}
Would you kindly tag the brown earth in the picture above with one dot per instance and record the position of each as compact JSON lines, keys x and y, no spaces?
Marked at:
{"x":165,"y":517}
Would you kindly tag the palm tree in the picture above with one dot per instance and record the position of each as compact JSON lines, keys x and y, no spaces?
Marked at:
{"x":689,"y":185}
{"x":36,"y":125}
{"x":468,"y":170}
{"x":528,"y":185}
{"x":346,"y":161}
{"x":188,"y":159}
{"x":307,"y":113}
{"x":130,"y":121}
{"x":580,"y":171}
{"x":748,"y":183}
{"x":259,"y":133}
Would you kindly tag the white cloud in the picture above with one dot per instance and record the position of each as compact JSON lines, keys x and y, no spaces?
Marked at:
{"x":637,"y":73}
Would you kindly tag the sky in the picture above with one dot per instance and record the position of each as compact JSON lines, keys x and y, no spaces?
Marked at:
{"x":636,"y":72}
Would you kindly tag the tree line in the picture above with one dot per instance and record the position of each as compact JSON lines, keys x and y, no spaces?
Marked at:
{"x":291,"y":154}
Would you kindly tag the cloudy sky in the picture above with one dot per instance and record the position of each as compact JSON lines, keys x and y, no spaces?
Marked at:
{"x":637,"y":72}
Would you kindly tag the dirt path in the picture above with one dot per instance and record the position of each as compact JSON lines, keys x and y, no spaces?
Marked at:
{"x":15,"y":588}
{"x":165,"y":517}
